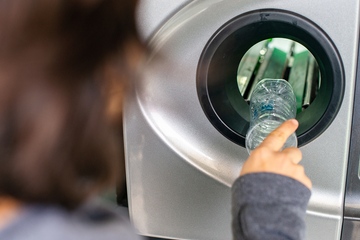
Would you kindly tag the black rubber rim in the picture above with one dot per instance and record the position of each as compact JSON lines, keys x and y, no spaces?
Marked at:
{"x":216,"y":76}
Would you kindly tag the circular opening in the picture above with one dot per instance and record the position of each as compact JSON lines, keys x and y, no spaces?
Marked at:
{"x":270,"y":44}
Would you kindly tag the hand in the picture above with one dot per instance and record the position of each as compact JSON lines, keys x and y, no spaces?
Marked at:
{"x":268,"y":157}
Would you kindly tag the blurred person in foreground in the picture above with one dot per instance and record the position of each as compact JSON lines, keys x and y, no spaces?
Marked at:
{"x":64,"y":65}
{"x":61,"y":64}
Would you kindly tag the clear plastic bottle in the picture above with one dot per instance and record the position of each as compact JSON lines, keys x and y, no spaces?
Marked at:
{"x":272,"y":102}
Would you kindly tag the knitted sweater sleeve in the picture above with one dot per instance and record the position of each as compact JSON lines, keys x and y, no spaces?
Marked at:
{"x":268,"y":206}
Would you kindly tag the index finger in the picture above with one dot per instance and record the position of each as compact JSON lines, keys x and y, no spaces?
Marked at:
{"x":277,"y":138}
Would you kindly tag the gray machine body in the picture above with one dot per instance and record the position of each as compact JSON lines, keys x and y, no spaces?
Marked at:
{"x":179,"y":167}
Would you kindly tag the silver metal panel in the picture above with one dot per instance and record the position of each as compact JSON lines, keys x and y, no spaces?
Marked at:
{"x":180,"y":168}
{"x":152,"y":13}
{"x":169,"y":197}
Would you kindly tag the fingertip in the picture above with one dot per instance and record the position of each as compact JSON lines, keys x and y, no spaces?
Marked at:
{"x":294,"y":122}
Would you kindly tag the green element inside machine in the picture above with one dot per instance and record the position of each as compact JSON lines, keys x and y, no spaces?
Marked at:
{"x":280,"y":58}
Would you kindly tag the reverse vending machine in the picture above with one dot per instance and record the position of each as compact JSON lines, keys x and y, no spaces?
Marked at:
{"x":186,"y":122}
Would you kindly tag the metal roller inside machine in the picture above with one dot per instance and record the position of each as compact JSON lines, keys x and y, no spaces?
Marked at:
{"x":280,"y":58}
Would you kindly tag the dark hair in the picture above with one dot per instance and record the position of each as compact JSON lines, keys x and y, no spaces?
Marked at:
{"x":56,"y":144}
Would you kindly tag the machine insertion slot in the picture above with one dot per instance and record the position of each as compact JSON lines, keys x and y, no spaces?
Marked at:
{"x":280,"y":58}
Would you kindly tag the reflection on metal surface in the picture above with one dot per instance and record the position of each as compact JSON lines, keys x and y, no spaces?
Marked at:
{"x":280,"y":58}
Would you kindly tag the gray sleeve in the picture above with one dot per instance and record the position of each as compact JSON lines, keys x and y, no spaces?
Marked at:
{"x":95,"y":220}
{"x":268,"y":206}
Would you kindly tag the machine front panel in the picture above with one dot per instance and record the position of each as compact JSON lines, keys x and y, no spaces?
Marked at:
{"x":180,"y":166}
